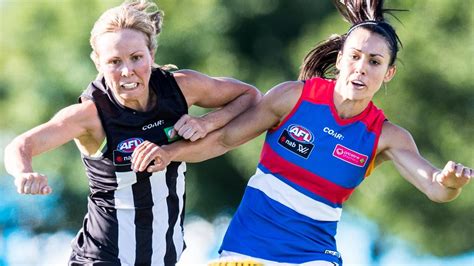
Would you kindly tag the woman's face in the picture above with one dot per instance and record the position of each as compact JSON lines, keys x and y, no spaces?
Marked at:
{"x":125,"y":61}
{"x":363,"y":65}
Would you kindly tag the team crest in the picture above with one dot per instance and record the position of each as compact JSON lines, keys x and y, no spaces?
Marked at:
{"x":168,"y":131}
{"x":298,"y":140}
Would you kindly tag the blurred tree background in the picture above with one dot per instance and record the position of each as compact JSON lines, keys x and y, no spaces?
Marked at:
{"x":44,"y":66}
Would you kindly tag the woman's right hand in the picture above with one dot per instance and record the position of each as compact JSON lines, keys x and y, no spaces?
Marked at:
{"x":146,"y":153}
{"x":32,"y":183}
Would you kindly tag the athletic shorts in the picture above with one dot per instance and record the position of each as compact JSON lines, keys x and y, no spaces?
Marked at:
{"x":229,"y":256}
{"x":78,"y":260}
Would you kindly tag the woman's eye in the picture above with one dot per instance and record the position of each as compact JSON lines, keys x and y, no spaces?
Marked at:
{"x":374,"y":62}
{"x":136,"y":57}
{"x":354,"y":56}
{"x":114,"y":62}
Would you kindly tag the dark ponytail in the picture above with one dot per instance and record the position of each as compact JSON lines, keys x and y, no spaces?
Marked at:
{"x":321,"y":60}
{"x":368,"y":14}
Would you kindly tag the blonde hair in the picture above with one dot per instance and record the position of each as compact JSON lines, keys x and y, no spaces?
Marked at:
{"x":140,"y":15}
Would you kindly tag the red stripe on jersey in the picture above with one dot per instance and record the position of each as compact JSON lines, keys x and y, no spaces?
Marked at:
{"x":302,"y":177}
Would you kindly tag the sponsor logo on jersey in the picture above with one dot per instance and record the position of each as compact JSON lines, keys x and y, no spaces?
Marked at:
{"x":332,"y":252}
{"x":123,"y":153}
{"x":349,"y":156}
{"x":298,"y":140}
{"x":333,"y":133}
{"x":154,"y":124}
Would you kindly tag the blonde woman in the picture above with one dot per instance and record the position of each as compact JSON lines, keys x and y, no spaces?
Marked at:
{"x":133,"y":217}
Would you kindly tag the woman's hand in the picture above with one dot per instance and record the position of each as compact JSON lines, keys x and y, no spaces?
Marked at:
{"x":146,"y":153}
{"x":191,"y":128}
{"x":454,"y":175}
{"x":32,"y":183}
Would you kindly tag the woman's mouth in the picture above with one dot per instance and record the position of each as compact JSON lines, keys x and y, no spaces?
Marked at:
{"x":358,"y":84}
{"x":129,"y":86}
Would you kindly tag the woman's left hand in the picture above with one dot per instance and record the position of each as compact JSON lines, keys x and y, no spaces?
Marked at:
{"x":146,"y":153}
{"x":190,"y":128}
{"x":454,"y":175}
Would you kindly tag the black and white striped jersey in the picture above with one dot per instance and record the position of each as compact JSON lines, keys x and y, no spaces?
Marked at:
{"x":134,"y":218}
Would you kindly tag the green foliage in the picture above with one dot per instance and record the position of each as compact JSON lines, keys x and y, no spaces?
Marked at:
{"x":44,"y":65}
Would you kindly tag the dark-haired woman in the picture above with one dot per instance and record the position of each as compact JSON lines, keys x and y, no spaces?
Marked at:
{"x":324,"y":136}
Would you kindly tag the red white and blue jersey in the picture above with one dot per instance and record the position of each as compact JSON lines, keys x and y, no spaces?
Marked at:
{"x":309,"y":166}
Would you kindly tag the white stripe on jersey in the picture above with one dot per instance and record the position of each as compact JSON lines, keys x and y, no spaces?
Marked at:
{"x":123,"y":196}
{"x":125,"y":217}
{"x":177,"y":232}
{"x":291,"y":198}
{"x":124,"y":203}
{"x":160,"y":216}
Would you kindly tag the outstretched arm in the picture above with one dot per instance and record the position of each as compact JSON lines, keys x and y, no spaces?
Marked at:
{"x":231,"y":96}
{"x":444,"y":185}
{"x":273,"y":107}
{"x":71,"y":122}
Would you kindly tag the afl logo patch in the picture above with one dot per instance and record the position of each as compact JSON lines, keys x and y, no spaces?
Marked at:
{"x":123,"y":153}
{"x":129,"y":145}
{"x":298,"y":140}
{"x":300,"y":134}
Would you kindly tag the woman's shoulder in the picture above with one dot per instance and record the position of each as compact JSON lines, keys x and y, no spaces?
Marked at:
{"x":287,"y":89}
{"x":84,"y":112}
{"x":393,"y":135}
{"x":284,"y":96}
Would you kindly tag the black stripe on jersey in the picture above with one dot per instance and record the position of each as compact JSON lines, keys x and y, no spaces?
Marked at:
{"x":182,"y":215}
{"x":173,"y":212}
{"x":143,"y":219}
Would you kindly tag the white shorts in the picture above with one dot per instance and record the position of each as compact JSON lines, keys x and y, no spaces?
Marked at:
{"x":232,"y":256}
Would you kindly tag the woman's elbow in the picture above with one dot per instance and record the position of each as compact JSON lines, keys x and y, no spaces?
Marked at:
{"x":444,"y":196}
{"x":18,"y":143}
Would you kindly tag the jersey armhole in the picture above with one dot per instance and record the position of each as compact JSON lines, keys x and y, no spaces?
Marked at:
{"x":374,"y":151}
{"x":293,"y":110}
{"x":175,"y":85}
{"x":99,"y":154}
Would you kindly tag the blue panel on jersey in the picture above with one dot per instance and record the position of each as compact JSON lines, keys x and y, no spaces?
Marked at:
{"x":321,"y":161}
{"x":263,"y":228}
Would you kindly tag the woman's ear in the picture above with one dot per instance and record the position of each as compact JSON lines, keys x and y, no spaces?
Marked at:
{"x":338,"y":60}
{"x":95,"y":59}
{"x":390,"y":73}
{"x":152,"y":54}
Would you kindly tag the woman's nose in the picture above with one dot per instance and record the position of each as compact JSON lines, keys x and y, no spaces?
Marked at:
{"x":126,"y":70}
{"x":360,"y":67}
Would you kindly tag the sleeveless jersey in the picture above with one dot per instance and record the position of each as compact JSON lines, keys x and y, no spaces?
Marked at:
{"x":309,"y":166}
{"x":134,"y":218}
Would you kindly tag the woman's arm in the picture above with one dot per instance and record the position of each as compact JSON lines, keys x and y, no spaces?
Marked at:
{"x":75,"y":121}
{"x":212,"y":92}
{"x":397,"y":144}
{"x":268,"y":113}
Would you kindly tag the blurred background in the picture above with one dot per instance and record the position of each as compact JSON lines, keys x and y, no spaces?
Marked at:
{"x":44,"y":66}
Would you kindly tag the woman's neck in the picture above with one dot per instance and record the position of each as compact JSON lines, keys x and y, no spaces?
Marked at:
{"x":348,"y":108}
{"x":142,"y":105}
